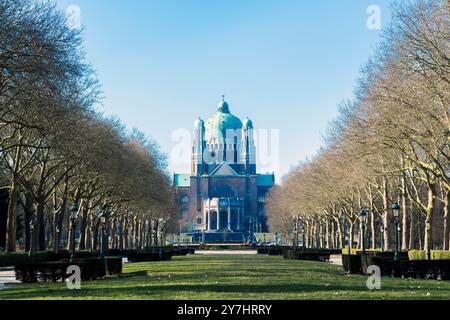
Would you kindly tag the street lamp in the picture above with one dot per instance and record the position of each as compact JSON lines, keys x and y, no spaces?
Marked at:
{"x":363,"y":221}
{"x":57,"y":235}
{"x":296,"y":233}
{"x":73,"y":218}
{"x":30,"y":253}
{"x":381,"y":235}
{"x":396,"y":213}
{"x":103,"y":218}
{"x":303,"y":238}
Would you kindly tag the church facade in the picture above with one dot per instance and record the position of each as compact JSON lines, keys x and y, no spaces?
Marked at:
{"x":223,"y":197}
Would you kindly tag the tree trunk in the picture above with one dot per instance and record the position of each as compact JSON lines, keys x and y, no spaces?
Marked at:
{"x":113,"y":233}
{"x":386,"y":222}
{"x":155,"y":233}
{"x":428,"y":240}
{"x":447,"y":222}
{"x":83,"y":226}
{"x":373,"y":230}
{"x":28,"y":209}
{"x":11,"y":225}
{"x":412,"y":227}
{"x":40,"y":226}
{"x":95,"y":234}
{"x":341,"y":236}
{"x":405,"y":222}
{"x":126,"y":234}
{"x":351,"y":234}
{"x":88,"y":237}
{"x":141,"y":234}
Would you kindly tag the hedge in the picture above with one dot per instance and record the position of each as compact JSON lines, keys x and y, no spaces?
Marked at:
{"x":51,"y":271}
{"x":352,"y":263}
{"x":435,"y":255}
{"x":422,"y":269}
{"x":11,"y":259}
{"x":114,"y":266}
{"x":358,"y":251}
{"x":183,"y":251}
{"x":143,"y":256}
{"x":160,"y":253}
{"x":56,"y":271}
{"x":309,"y":255}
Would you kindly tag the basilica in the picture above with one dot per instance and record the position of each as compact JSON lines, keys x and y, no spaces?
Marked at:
{"x":223,"y":198}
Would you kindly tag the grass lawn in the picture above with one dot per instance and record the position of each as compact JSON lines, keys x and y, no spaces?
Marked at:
{"x":234,"y":277}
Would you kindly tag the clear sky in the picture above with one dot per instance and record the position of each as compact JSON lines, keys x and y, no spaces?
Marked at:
{"x":286,"y":64}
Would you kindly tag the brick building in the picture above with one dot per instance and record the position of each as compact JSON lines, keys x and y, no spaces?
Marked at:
{"x":223,"y":197}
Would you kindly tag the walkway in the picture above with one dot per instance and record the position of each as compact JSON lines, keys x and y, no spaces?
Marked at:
{"x":227,"y":252}
{"x":336,"y":259}
{"x":7,"y":278}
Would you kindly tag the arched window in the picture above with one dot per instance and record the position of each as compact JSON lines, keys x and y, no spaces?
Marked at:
{"x":185,"y":199}
{"x":223,"y":191}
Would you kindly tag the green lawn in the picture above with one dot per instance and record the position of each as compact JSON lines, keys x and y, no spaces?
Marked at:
{"x":234,"y":277}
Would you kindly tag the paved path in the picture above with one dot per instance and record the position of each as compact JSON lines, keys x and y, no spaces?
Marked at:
{"x":7,"y":278}
{"x":336,"y":259}
{"x":226,"y":252}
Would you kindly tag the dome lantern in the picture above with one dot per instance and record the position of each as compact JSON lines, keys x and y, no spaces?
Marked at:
{"x":223,"y":106}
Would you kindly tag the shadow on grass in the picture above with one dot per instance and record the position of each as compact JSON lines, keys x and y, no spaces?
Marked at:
{"x":167,"y":290}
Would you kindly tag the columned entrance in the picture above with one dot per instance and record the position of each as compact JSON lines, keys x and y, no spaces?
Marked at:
{"x":223,"y":214}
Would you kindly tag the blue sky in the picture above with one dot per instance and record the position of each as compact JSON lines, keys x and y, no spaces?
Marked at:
{"x":286,"y":64}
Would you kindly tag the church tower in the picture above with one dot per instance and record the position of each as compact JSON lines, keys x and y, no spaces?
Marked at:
{"x":248,"y":147}
{"x":198,"y":145}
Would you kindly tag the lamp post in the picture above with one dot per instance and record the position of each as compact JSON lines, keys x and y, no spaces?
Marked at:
{"x":103,"y":244}
{"x":347,"y":240}
{"x":73,"y":218}
{"x":381,"y":235}
{"x":363,"y":221}
{"x":303,"y":238}
{"x":396,"y":213}
{"x":155,"y":237}
{"x":57,"y":233}
{"x":296,"y":233}
{"x":30,"y":253}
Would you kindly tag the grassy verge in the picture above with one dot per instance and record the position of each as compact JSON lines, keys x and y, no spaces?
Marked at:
{"x":234,"y":277}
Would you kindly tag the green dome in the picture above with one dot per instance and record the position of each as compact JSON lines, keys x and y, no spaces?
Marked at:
{"x":222,"y":121}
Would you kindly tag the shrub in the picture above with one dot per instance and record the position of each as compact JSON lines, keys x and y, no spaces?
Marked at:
{"x":358,"y":251}
{"x":142,"y":256}
{"x":275,"y":251}
{"x":422,"y":269}
{"x":435,"y":255}
{"x":318,"y":255}
{"x":183,"y":251}
{"x":352,"y":263}
{"x":50,"y":271}
{"x":263,"y":250}
{"x":165,"y":256}
{"x":114,"y":266}
{"x":11,"y":259}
